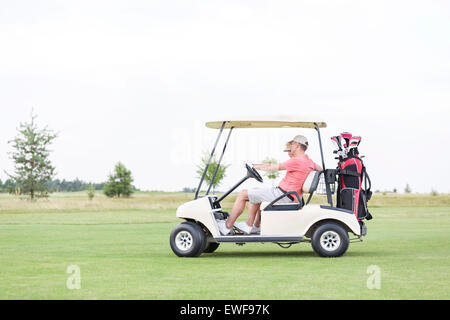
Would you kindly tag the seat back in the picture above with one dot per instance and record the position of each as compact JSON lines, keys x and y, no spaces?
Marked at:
{"x":311,"y":182}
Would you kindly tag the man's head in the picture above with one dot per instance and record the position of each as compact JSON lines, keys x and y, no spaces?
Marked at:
{"x":299,"y":143}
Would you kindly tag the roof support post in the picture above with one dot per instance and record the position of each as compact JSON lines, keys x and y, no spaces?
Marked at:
{"x":220,"y":160}
{"x":327,"y":186}
{"x":209,"y":161}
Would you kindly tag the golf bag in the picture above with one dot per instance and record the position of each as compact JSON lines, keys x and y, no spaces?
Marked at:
{"x":354,"y":184}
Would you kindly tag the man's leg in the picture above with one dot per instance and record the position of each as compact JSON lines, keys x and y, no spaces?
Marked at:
{"x":257,"y":222}
{"x":238,"y":208}
{"x":253,"y":209}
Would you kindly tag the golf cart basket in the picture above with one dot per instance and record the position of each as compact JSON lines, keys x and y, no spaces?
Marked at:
{"x":321,"y":187}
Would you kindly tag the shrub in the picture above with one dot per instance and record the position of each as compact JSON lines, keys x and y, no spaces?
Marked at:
{"x":91,"y":192}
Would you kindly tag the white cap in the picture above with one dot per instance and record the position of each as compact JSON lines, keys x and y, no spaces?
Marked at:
{"x":300,"y":139}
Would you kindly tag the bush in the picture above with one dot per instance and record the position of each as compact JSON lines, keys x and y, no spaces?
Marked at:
{"x":91,"y":192}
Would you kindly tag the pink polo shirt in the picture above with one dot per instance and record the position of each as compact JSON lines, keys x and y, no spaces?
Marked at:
{"x":298,"y":169}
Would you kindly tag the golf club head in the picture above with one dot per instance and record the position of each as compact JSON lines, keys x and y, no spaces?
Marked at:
{"x":355,"y":141}
{"x":345,"y":137}
{"x":337,"y":142}
{"x":342,"y":154}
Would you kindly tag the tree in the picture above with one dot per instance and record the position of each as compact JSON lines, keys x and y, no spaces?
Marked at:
{"x":33,"y":169}
{"x":271,"y":175}
{"x":211,"y":169}
{"x":407,"y":189}
{"x":119,"y":183}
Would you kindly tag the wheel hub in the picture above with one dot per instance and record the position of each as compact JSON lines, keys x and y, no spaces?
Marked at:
{"x":183,"y":240}
{"x":330,"y":240}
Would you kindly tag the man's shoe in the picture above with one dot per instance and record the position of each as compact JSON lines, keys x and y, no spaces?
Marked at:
{"x":244,"y":227}
{"x":256,"y":229}
{"x":223,"y":228}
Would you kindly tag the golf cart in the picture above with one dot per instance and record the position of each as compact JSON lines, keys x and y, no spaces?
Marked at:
{"x":326,"y":227}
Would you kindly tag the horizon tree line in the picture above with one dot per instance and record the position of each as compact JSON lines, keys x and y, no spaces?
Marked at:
{"x":34,"y":174}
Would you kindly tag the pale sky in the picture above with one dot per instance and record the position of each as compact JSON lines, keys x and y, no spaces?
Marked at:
{"x":134,"y":81}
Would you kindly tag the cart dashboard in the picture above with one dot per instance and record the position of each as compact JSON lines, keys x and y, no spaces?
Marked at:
{"x":214,"y":203}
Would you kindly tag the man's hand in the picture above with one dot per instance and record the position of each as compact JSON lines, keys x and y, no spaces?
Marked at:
{"x":318,"y":168}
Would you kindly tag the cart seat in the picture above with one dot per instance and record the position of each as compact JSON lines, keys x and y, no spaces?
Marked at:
{"x":311,"y":183}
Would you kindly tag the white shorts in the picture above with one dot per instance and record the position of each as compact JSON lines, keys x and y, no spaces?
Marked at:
{"x":266,"y":194}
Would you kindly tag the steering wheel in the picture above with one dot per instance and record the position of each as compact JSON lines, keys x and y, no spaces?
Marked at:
{"x":253,"y":173}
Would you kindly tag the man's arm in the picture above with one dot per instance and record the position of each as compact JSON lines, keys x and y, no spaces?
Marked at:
{"x":318,"y":168}
{"x":269,"y":166}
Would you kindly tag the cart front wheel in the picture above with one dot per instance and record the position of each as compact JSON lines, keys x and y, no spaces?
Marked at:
{"x":187,"y":239}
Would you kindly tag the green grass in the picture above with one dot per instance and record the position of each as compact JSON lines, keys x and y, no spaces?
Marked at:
{"x":125,"y":254}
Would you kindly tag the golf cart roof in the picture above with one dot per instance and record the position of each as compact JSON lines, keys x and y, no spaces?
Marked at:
{"x":265,"y":123}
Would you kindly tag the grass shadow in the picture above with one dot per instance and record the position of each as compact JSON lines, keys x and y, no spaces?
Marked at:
{"x":287,"y":254}
{"x":259,"y":254}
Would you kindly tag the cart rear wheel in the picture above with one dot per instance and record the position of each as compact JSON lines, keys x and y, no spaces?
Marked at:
{"x":187,"y":239}
{"x":211,"y":247}
{"x":330,"y":240}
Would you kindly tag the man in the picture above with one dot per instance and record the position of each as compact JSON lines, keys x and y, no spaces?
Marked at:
{"x":298,"y":168}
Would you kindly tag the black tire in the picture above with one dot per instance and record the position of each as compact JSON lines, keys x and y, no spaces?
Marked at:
{"x":211,"y":247}
{"x":330,"y":240}
{"x":187,"y":239}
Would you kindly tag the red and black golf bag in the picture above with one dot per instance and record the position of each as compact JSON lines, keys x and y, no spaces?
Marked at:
{"x":354,"y":183}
